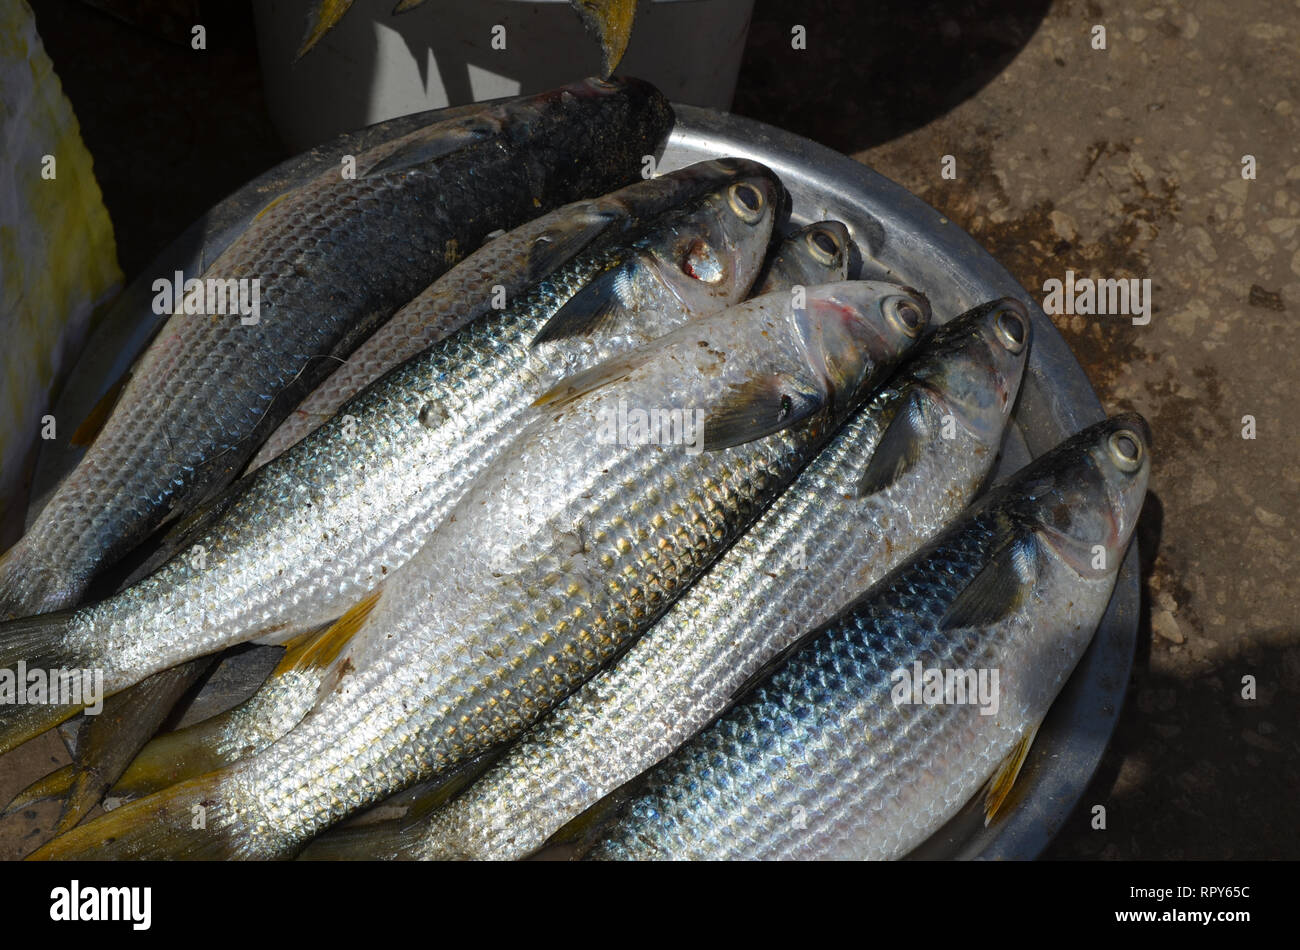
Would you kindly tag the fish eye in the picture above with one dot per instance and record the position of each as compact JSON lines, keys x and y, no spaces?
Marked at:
{"x":906,"y":315}
{"x":747,"y":201}
{"x":824,"y":246}
{"x":701,"y":262}
{"x":1126,"y":450}
{"x":1011,"y":330}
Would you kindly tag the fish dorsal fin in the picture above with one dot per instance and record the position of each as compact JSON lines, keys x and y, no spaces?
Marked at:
{"x":758,"y":407}
{"x":1000,"y":588}
{"x":592,"y":309}
{"x":898,"y":450}
{"x":95,"y":420}
{"x":1000,"y":783}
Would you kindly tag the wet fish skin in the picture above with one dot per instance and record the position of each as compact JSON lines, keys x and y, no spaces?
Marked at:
{"x":334,"y":258}
{"x":508,"y":264}
{"x":567,"y":547}
{"x":288,"y":695}
{"x":1011,"y":586}
{"x":323,"y":526}
{"x":817,"y":253}
{"x":756,"y":600}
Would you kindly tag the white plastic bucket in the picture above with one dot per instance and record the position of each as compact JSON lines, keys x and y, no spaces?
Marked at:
{"x":374,"y":65}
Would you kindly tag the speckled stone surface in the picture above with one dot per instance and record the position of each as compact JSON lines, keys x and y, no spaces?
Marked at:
{"x":1116,"y":163}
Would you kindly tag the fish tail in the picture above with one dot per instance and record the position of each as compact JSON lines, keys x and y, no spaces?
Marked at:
{"x":194,"y":820}
{"x":107,"y":743}
{"x":42,"y":683}
{"x":413,"y":837}
{"x":55,"y":785}
{"x":177,"y":757}
{"x":394,"y":840}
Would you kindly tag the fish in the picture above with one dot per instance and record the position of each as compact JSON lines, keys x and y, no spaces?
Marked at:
{"x":906,"y":464}
{"x":325,"y":524}
{"x":293,"y":687}
{"x":333,"y":258}
{"x":868,"y":734}
{"x":566,"y":548}
{"x":500,"y":270}
{"x":818,"y":253}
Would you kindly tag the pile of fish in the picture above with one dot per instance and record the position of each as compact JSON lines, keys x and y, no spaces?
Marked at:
{"x":641,"y":528}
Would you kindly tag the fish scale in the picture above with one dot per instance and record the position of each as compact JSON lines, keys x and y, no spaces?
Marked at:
{"x":821,"y":761}
{"x":288,"y":694}
{"x":333,"y":258}
{"x":544,"y":568}
{"x":651,"y":529}
{"x":754,"y":602}
{"x":323,"y":525}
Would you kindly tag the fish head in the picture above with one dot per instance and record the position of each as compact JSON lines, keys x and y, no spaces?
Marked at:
{"x":850,"y":329}
{"x":711,"y":255}
{"x":1084,"y":497}
{"x":973,"y":364}
{"x":815,"y":254}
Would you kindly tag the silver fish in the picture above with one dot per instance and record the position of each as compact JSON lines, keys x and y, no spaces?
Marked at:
{"x":567,"y":547}
{"x":887,"y":719}
{"x":904,"y":466}
{"x":293,"y":687}
{"x":322,"y":526}
{"x":325,"y":263}
{"x":500,"y":270}
{"x":817,"y":253}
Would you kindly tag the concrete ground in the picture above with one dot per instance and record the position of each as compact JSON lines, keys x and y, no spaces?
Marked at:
{"x":1127,"y":162}
{"x":1123,"y":162}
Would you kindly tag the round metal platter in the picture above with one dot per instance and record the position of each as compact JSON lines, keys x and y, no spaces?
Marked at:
{"x":900,"y":238}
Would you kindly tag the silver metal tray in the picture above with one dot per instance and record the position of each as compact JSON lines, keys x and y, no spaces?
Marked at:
{"x":900,"y":237}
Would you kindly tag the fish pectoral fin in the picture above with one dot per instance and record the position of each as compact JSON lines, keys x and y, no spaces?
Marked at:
{"x":440,"y":141}
{"x":898,"y":449}
{"x":325,"y":649}
{"x":999,"y":589}
{"x":97,"y":418}
{"x":553,"y":248}
{"x":572,"y":388}
{"x":756,"y":408}
{"x":590,"y":311}
{"x":999,"y":786}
